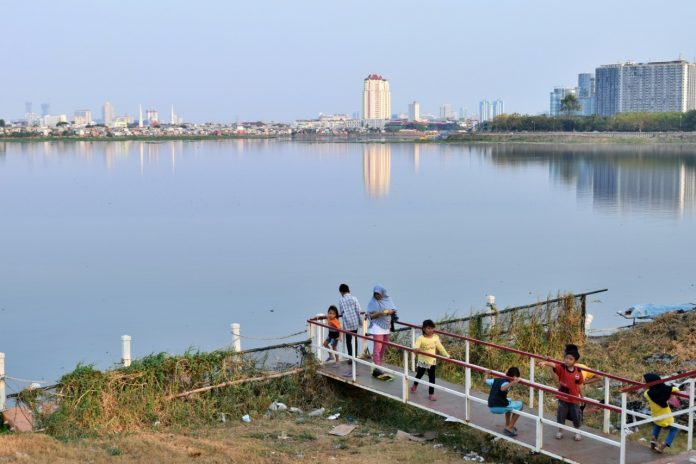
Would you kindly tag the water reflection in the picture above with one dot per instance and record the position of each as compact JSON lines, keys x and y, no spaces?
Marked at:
{"x":622,"y":179}
{"x":377,"y":169}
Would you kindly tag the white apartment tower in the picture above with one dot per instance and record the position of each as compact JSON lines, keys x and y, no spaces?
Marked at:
{"x":108,"y":114}
{"x":414,"y":111}
{"x":376,"y":98}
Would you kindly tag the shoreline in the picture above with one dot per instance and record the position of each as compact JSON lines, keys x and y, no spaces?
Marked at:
{"x":564,"y":138}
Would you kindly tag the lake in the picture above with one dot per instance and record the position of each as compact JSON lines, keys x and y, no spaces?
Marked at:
{"x":171,"y":242}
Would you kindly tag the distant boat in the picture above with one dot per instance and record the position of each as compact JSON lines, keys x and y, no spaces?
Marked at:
{"x":651,"y":311}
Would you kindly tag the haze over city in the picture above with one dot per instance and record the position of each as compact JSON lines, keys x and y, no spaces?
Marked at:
{"x":281,"y":61}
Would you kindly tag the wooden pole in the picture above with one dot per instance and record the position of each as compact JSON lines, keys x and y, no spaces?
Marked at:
{"x":3,"y":397}
{"x":236,"y":382}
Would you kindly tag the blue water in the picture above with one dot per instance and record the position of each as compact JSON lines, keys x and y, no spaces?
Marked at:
{"x":171,"y":242}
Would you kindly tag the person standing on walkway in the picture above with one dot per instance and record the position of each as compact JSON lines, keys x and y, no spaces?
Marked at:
{"x":380,"y":310}
{"x":429,"y":342}
{"x":349,"y":309}
{"x":658,"y":397}
{"x":570,"y":380}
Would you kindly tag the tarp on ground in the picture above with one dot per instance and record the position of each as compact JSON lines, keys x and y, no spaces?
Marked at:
{"x":650,"y":311}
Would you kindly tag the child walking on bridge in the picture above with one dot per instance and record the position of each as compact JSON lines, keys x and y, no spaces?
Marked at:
{"x":430,"y":343}
{"x":498,"y":402}
{"x":334,"y":335}
{"x":570,"y":380}
{"x":658,"y":397}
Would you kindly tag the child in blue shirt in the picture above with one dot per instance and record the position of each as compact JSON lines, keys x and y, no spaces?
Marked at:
{"x":498,"y":403}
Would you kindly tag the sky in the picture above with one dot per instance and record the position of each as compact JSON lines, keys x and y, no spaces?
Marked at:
{"x":282,"y":60}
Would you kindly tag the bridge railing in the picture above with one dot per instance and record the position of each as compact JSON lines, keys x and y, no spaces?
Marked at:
{"x":317,"y":329}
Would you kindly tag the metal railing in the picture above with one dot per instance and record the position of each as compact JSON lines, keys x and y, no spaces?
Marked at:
{"x":317,"y":329}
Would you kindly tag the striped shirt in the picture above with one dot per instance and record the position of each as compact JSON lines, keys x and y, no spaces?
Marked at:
{"x":349,"y":309}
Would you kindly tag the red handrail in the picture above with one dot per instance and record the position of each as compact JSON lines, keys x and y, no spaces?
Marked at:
{"x":457,"y":362}
{"x":683,"y":375}
{"x":635,"y":383}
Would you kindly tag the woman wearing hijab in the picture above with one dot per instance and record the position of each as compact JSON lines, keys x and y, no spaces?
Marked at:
{"x":657,"y":396}
{"x":379,"y":312}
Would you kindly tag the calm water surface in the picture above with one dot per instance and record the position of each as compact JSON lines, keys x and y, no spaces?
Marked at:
{"x":171,"y":242}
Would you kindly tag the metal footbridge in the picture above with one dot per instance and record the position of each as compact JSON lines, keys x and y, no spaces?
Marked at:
{"x":536,"y":426}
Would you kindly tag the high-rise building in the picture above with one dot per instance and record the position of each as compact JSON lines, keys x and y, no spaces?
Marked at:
{"x":45,"y":109}
{"x":446,"y":111}
{"x":485,"y":111}
{"x":558,"y":94}
{"x":498,"y":108}
{"x":376,"y":98}
{"x":414,"y":111}
{"x":82,"y":117}
{"x":140,"y":116}
{"x":655,"y":87}
{"x":28,"y":107}
{"x":108,"y":114}
{"x":586,"y":94}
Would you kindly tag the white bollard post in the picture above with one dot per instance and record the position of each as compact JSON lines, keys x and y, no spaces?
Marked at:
{"x":319,"y":336}
{"x":235,"y":329}
{"x":3,"y":397}
{"x":467,"y":383}
{"x":126,"y":350}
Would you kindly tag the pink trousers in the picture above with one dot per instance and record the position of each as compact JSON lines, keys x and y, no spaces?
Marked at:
{"x":379,"y":348}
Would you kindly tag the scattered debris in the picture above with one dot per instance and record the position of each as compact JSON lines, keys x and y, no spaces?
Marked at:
{"x":246,"y":418}
{"x":296,"y":410}
{"x":221,"y":416}
{"x":659,"y":357}
{"x":334,"y":416}
{"x":316,"y":412}
{"x":276,"y":406}
{"x":473,"y":456}
{"x":342,"y":430}
{"x":401,"y":435}
{"x":283,"y":436}
{"x":438,"y":445}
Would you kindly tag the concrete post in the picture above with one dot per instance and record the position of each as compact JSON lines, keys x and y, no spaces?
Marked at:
{"x":532,"y":366}
{"x":126,"y":350}
{"x":235,"y":329}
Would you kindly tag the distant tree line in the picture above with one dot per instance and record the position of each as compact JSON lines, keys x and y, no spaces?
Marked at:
{"x":620,"y":122}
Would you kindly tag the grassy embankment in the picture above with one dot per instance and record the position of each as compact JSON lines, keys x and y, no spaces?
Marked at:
{"x":131,"y":412}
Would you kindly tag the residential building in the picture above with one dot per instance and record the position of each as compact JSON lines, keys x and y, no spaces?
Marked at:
{"x":485,"y":111}
{"x":376,"y":99}
{"x":498,"y":107}
{"x":82,"y":117}
{"x":152,"y":116}
{"x":107,"y":114}
{"x":414,"y":111}
{"x":558,"y":94}
{"x":655,"y":87}
{"x":586,"y":94}
{"x":446,"y":111}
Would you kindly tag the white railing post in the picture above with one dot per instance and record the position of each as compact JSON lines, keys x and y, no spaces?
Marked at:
{"x":622,"y":449}
{"x":540,"y":424}
{"x":365,"y":342}
{"x":405,"y":382}
{"x":607,"y":413}
{"x":126,"y":350}
{"x":318,"y":336}
{"x":467,"y":383}
{"x":3,"y":397}
{"x":235,"y":330}
{"x":413,"y":343}
{"x":690,"y":438}
{"x":531,"y":379}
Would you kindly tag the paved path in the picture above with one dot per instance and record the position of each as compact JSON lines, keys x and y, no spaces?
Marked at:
{"x":585,"y":452}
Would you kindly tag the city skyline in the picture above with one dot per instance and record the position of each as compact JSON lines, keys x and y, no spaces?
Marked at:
{"x":246,"y":72}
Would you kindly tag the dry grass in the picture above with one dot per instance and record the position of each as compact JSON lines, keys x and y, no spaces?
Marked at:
{"x":256,"y":442}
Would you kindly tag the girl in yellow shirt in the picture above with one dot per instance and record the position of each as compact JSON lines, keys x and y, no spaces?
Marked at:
{"x":657,"y":396}
{"x":429,"y":343}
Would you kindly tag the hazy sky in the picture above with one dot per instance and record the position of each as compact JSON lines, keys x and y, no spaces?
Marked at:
{"x":219,"y":61}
